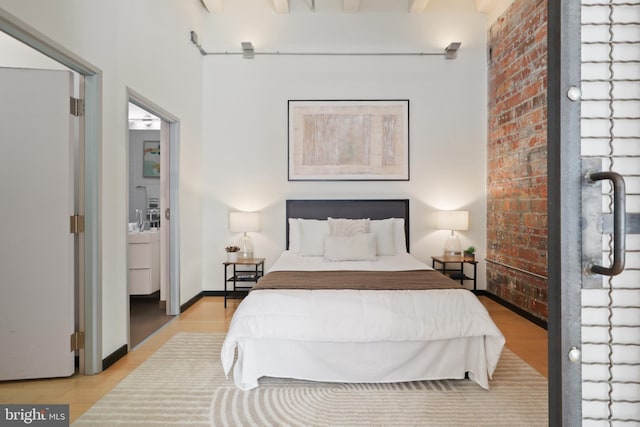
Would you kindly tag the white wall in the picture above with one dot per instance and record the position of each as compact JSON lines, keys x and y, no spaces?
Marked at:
{"x":245,"y":117}
{"x":16,"y":54}
{"x":143,"y":45}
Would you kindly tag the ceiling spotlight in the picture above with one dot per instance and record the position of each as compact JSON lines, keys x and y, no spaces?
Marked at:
{"x":451,"y":51}
{"x":247,"y":50}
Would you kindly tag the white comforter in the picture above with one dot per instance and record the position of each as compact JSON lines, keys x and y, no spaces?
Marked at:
{"x":342,"y":316}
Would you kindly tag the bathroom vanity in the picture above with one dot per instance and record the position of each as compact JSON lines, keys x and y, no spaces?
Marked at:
{"x":144,"y":262}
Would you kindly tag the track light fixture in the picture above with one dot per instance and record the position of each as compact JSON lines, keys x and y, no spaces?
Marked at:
{"x":247,"y":50}
{"x":451,"y":51}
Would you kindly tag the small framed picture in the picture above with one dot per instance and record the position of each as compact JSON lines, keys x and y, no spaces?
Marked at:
{"x":151,"y":159}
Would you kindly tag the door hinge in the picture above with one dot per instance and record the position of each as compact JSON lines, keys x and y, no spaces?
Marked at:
{"x":77,"y":341}
{"x":76,"y":224}
{"x":76,"y":107}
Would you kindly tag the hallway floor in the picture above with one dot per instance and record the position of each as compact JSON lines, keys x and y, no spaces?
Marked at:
{"x":148,"y":315}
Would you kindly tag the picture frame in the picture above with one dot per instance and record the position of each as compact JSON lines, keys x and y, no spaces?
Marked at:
{"x":348,"y":140}
{"x":151,"y":159}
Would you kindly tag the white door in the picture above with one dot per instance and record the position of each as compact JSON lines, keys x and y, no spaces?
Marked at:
{"x":165,"y":237}
{"x":36,"y":246}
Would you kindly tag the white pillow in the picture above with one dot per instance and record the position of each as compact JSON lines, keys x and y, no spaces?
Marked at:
{"x":400,"y":243}
{"x":399,"y":236}
{"x":384,"y":229}
{"x":360,"y":247}
{"x":347,"y":227}
{"x":312,"y":234}
{"x":294,"y":235}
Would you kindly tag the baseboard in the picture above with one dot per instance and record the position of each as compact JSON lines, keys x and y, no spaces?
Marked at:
{"x":114,"y":357}
{"x":122,"y":351}
{"x":195,"y":299}
{"x":189,"y":303}
{"x":213,"y":293}
{"x":530,"y":317}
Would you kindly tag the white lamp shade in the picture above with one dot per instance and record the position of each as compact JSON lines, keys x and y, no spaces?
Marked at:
{"x":452,"y":220}
{"x":241,"y":222}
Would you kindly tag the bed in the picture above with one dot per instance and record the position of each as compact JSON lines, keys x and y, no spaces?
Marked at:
{"x":346,"y":302}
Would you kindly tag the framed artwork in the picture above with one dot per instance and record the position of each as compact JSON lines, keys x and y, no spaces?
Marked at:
{"x":151,"y":159}
{"x":348,"y":140}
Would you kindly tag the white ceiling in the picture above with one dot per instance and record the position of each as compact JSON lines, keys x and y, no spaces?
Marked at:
{"x":140,"y":119}
{"x":492,"y":8}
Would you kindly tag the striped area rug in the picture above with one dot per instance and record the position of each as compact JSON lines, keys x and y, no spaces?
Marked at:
{"x":183,"y":384}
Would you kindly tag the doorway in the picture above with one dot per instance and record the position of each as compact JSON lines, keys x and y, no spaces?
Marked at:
{"x":151,"y":239}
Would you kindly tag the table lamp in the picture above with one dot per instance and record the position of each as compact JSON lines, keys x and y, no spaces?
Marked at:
{"x":452,"y":220}
{"x":243,"y":222}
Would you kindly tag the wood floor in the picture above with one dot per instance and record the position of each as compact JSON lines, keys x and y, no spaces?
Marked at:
{"x":146,"y":315}
{"x":524,"y":338}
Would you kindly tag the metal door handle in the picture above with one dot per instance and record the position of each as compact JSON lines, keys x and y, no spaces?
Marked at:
{"x":619,"y":227}
{"x":167,"y":214}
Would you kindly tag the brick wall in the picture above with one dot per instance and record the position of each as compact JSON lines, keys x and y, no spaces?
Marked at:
{"x":517,"y":157}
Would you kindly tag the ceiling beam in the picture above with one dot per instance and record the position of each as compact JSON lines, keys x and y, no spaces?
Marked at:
{"x":493,"y":8}
{"x":350,"y":6}
{"x":213,"y":5}
{"x":417,"y":6}
{"x":483,"y":6}
{"x":281,"y":6}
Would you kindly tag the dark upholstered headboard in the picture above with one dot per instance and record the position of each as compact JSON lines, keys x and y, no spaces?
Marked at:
{"x":352,"y":209}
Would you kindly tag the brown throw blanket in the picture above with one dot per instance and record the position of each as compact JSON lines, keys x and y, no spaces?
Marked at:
{"x":359,"y":280}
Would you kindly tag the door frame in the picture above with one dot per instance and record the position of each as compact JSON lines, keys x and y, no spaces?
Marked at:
{"x":564,"y":213}
{"x":90,"y":303}
{"x":173,"y":297}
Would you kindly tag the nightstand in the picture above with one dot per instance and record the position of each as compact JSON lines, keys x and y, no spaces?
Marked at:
{"x":457,"y":271}
{"x":244,"y":274}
